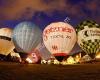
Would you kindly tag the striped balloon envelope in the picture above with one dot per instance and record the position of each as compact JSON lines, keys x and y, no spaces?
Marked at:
{"x":26,"y":37}
{"x":59,"y":38}
{"x":44,"y":53}
{"x":88,"y":34}
{"x":6,"y":43}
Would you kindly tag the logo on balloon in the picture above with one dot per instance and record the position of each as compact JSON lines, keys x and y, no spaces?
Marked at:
{"x":57,"y":29}
{"x":90,"y":32}
{"x":54,"y":47}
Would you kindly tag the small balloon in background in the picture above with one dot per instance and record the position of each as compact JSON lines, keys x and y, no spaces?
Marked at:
{"x":34,"y":57}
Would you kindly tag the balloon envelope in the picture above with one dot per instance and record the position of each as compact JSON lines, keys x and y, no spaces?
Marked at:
{"x":59,"y":38}
{"x":6,"y":44}
{"x":33,"y":57}
{"x":89,"y":37}
{"x":44,"y":53}
{"x":26,"y":37}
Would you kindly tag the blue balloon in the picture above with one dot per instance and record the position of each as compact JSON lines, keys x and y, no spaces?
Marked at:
{"x":26,"y":36}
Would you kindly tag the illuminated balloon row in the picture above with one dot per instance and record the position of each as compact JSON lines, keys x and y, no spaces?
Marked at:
{"x":59,"y":38}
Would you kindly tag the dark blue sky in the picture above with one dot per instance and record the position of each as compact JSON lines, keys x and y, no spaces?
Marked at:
{"x":43,"y":12}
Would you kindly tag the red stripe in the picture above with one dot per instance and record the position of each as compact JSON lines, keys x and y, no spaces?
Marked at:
{"x":60,"y":54}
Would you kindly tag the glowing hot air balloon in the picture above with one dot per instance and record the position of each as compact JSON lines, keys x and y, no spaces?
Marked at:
{"x":44,"y":53}
{"x":6,"y":44}
{"x":26,"y":37}
{"x":89,"y":37}
{"x":59,"y":38}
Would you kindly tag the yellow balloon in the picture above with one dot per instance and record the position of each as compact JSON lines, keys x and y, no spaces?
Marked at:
{"x":6,"y":44}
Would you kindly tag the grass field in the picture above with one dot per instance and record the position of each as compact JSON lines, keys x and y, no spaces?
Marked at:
{"x":16,"y":71}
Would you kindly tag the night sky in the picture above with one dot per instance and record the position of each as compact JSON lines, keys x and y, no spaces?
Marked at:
{"x":43,"y":12}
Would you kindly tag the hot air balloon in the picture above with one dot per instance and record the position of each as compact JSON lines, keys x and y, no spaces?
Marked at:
{"x":88,"y":33}
{"x":59,"y":38}
{"x":26,"y":37}
{"x":6,"y":44}
{"x":43,"y":51}
{"x":34,"y":57}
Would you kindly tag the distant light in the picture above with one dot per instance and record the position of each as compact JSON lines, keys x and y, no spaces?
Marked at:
{"x":98,"y":56}
{"x":43,"y":61}
{"x":29,"y":60}
{"x":71,"y":60}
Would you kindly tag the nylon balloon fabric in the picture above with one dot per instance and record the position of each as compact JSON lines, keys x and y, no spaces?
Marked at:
{"x":88,"y":34}
{"x":26,"y":36}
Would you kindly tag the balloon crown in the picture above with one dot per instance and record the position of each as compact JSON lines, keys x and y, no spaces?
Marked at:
{"x":87,"y":23}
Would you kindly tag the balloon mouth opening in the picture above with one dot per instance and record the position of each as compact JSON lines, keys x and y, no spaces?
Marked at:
{"x":60,"y":56}
{"x":92,"y":55}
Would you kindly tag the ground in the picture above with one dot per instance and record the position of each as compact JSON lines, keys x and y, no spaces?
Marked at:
{"x":17,"y":71}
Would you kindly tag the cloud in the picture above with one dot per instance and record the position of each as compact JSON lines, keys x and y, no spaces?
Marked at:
{"x":26,"y":8}
{"x":18,"y":9}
